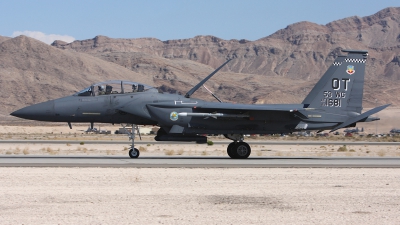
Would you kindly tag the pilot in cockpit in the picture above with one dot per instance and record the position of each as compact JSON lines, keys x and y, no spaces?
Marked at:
{"x":108,"y":89}
{"x":101,"y":90}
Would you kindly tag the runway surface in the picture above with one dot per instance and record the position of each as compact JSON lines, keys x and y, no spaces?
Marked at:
{"x":199,"y":162}
{"x":138,"y":142}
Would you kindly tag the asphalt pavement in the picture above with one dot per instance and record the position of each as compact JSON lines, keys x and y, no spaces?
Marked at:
{"x":199,"y":162}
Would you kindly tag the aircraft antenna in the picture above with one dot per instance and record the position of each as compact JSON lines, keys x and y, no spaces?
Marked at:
{"x":212,"y":93}
{"x":189,"y":93}
{"x":122,"y":87}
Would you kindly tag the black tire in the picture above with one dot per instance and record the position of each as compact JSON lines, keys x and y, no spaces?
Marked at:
{"x":134,"y":153}
{"x":231,"y":151}
{"x":242,"y":150}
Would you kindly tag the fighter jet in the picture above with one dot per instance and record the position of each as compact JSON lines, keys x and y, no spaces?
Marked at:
{"x":355,"y":130}
{"x":395,"y":131}
{"x":335,"y":102}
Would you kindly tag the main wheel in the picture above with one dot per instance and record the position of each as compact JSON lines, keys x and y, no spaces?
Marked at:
{"x":241,"y":150}
{"x":134,"y":153}
{"x":231,"y":151}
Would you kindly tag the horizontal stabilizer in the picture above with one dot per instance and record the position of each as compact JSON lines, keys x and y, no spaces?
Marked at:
{"x":355,"y":51}
{"x":359,"y":117}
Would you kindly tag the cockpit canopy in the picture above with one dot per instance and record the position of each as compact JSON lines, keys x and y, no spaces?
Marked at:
{"x":115,"y":87}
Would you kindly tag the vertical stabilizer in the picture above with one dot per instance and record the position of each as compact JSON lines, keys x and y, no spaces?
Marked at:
{"x":341,"y":87}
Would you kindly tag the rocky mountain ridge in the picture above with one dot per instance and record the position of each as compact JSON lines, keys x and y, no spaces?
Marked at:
{"x":299,"y":51}
{"x":2,"y":38}
{"x":32,"y":71}
{"x":280,"y":68}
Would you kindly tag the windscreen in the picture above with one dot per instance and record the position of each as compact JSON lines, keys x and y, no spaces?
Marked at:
{"x":115,"y":87}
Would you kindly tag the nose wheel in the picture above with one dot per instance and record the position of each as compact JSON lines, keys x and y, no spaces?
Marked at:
{"x":134,"y":153}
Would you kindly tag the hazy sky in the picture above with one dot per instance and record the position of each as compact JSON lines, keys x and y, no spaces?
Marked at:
{"x":48,"y":20}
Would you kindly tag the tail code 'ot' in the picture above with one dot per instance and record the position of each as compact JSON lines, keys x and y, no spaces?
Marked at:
{"x":341,"y":87}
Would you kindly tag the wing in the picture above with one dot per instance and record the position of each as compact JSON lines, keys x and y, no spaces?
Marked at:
{"x":211,"y":109}
{"x":231,"y":106}
{"x":234,"y":110}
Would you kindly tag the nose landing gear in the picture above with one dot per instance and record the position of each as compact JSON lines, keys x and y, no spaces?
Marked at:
{"x":133,"y":152}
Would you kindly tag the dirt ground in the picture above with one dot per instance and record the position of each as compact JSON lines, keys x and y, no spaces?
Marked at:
{"x":193,"y":196}
{"x":77,"y":134}
{"x":202,"y":150}
{"x":199,"y":196}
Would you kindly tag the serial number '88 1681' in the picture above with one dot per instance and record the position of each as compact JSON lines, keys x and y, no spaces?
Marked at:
{"x":331,"y":102}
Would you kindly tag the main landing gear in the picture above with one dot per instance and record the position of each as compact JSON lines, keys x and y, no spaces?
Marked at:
{"x":133,"y":152}
{"x":238,"y":149}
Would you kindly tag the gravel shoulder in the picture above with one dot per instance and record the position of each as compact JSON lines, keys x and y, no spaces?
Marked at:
{"x":191,"y":196}
{"x":199,"y":196}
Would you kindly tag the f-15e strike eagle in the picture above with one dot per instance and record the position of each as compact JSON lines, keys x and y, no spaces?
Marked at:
{"x":335,"y":102}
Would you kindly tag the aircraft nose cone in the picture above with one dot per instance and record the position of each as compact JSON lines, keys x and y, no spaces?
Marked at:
{"x":40,"y":111}
{"x":21,"y":113}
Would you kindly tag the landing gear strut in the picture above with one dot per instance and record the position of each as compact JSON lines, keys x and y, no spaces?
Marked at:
{"x":238,"y":149}
{"x":133,"y":152}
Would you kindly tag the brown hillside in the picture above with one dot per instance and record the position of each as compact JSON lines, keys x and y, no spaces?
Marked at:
{"x":32,"y":71}
{"x":2,"y":38}
{"x":280,"y":68}
{"x":302,"y":51}
{"x":179,"y":75}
